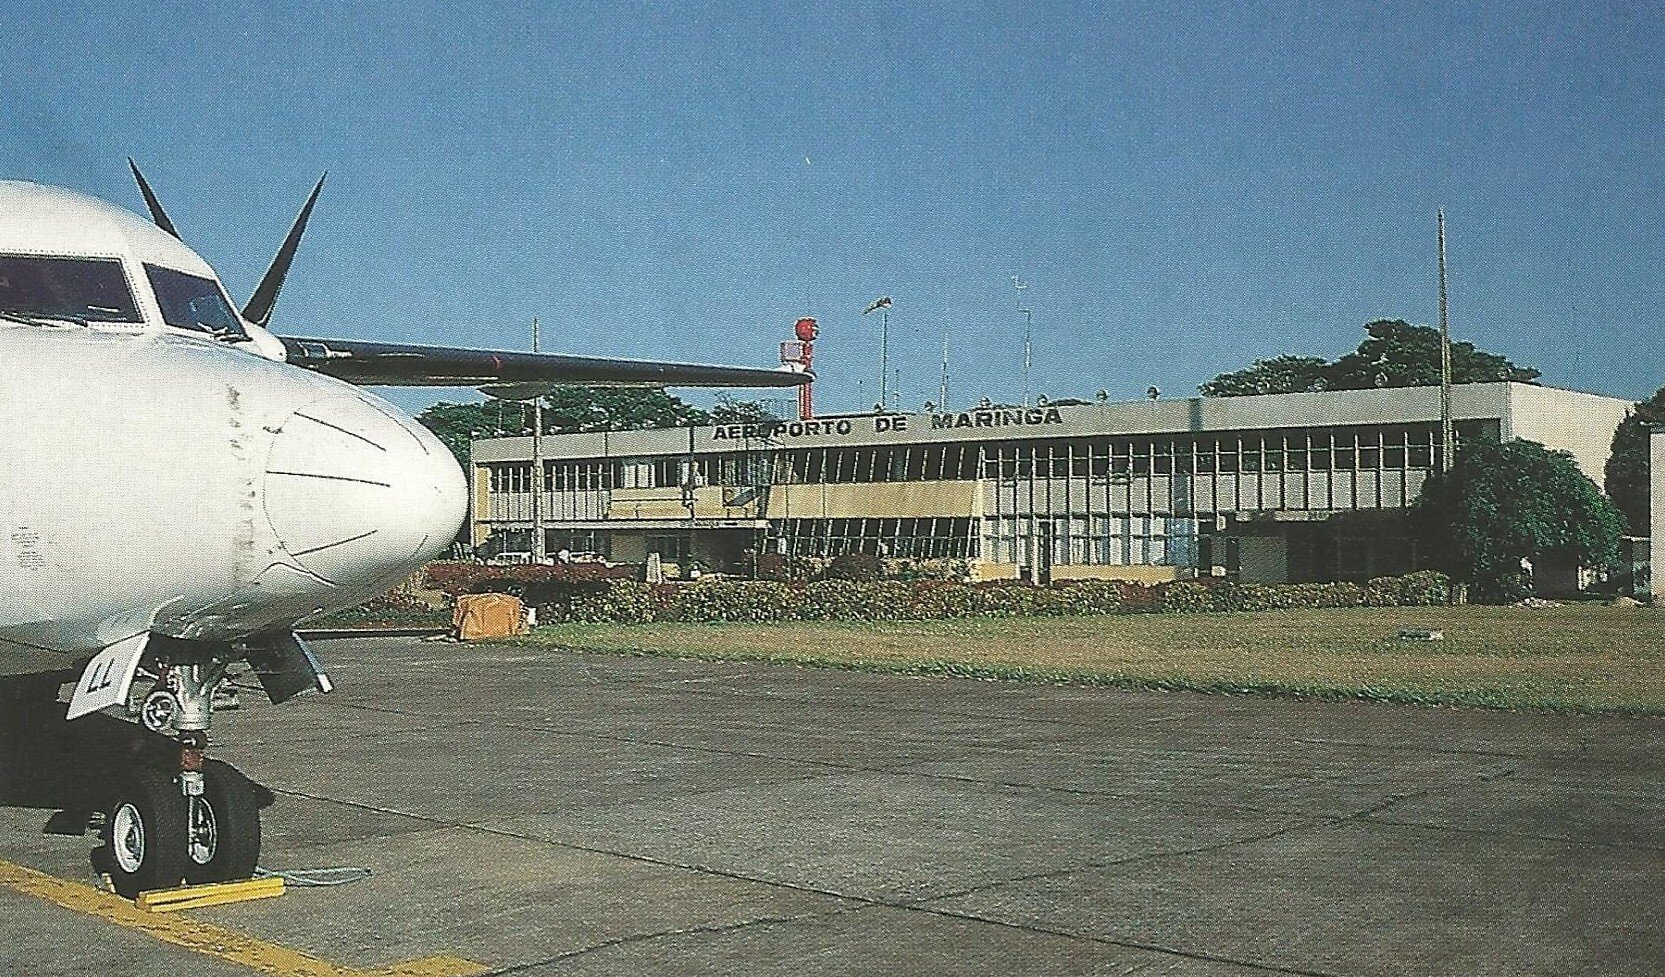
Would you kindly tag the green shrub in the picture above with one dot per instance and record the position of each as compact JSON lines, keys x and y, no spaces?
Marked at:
{"x":1424,"y":588}
{"x":738,"y":600}
{"x":863,"y":567}
{"x":627,"y":602}
{"x":851,"y":600}
{"x":1381,"y":592}
{"x":460,"y":577}
{"x":932,"y":599}
{"x":623,"y":602}
{"x":910,"y":568}
{"x":1183,"y":597}
{"x":772,"y":566}
{"x":1005,"y":599}
{"x":1093,"y":596}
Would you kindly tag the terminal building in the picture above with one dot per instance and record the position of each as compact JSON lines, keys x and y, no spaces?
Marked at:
{"x":1276,"y":488}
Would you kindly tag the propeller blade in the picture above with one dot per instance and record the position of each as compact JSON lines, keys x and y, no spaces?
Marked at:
{"x":157,"y":214}
{"x":259,"y":309}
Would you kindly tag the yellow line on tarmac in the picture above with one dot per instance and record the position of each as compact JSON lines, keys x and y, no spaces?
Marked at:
{"x":431,"y":967}
{"x":207,"y":938}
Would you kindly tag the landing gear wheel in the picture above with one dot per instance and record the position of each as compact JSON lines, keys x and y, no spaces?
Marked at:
{"x":223,"y":837}
{"x":144,"y":833}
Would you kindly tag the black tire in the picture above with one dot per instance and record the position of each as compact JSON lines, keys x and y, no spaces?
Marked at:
{"x":228,"y":808}
{"x":144,"y":833}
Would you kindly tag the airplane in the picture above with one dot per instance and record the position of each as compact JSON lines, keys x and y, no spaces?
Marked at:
{"x":183,"y":486}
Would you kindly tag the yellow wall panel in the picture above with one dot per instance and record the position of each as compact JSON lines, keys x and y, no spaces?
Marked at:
{"x":482,"y":504}
{"x":1134,"y":574}
{"x":879,"y":500}
{"x":666,"y":503}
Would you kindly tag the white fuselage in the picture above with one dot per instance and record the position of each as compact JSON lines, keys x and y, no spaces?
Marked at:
{"x":175,"y":485}
{"x":155,"y":480}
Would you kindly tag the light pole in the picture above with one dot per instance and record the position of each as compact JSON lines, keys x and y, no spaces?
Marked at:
{"x":1018,"y":285}
{"x":882,"y":306}
{"x":539,"y":548}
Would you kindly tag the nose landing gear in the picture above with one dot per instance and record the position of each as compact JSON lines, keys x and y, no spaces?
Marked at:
{"x":197,"y":822}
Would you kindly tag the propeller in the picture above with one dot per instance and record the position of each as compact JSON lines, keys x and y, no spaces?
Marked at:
{"x":259,"y":309}
{"x":157,"y":214}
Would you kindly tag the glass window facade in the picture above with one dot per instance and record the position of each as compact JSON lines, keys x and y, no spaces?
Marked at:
{"x":1115,"y":500}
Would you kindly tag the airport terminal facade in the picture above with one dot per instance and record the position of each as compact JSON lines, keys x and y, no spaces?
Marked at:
{"x":1287,"y":487}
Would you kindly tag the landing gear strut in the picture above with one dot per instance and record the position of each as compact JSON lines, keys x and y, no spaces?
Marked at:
{"x":196,"y":820}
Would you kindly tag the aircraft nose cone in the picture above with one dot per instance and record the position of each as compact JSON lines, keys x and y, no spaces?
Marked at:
{"x":359,"y":495}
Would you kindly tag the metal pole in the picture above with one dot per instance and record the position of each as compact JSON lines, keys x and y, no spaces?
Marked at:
{"x":1018,"y":285}
{"x":1028,"y":337}
{"x":1447,"y":438}
{"x":690,"y":486}
{"x":884,"y":358}
{"x":942,"y":391}
{"x":540,"y":549}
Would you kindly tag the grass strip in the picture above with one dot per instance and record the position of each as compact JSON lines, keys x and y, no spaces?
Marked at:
{"x":1579,"y":659}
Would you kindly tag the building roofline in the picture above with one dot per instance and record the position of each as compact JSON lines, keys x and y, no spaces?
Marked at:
{"x":1330,"y":408}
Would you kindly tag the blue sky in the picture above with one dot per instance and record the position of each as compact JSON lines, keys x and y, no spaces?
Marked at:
{"x":1184,"y":188}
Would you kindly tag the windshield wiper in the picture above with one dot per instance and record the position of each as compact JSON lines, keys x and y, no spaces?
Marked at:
{"x":30,"y":317}
{"x":223,"y":333}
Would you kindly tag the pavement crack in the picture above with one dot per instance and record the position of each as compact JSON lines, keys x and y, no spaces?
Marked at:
{"x":1120,"y":862}
{"x":900,"y":768}
{"x":1127,"y":944}
{"x":634,"y":938}
{"x":1522,"y":835}
{"x":1311,"y":824}
{"x":1389,"y":803}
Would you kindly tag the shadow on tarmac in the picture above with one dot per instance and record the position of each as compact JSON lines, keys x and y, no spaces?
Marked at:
{"x":50,"y":763}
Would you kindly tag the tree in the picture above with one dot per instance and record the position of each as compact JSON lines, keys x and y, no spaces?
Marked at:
{"x":1394,"y":354}
{"x":1398,"y":354}
{"x":457,"y":424}
{"x":566,"y":410}
{"x":732,"y":411}
{"x":1505,"y":502}
{"x":569,"y":410}
{"x":1278,"y":375}
{"x":1628,"y":467}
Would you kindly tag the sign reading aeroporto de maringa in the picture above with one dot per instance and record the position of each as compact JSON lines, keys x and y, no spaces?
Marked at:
{"x":833,"y":427}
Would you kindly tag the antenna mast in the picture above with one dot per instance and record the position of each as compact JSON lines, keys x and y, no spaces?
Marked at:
{"x":1447,"y":445}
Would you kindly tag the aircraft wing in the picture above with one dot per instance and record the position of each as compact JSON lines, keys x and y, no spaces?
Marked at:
{"x":519,"y":374}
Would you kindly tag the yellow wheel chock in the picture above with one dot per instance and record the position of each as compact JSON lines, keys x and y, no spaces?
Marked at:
{"x":213,"y":894}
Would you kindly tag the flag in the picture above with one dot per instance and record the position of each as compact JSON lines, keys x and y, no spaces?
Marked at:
{"x":879,"y":303}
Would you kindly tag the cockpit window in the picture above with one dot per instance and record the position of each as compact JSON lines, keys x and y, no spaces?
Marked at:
{"x":193,"y":302}
{"x":76,"y":289}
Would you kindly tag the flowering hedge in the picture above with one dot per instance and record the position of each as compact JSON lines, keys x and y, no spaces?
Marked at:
{"x":629,"y":602}
{"x":459,"y":577}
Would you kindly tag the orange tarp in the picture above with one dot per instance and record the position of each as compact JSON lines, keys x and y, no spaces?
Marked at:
{"x":480,"y":616}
